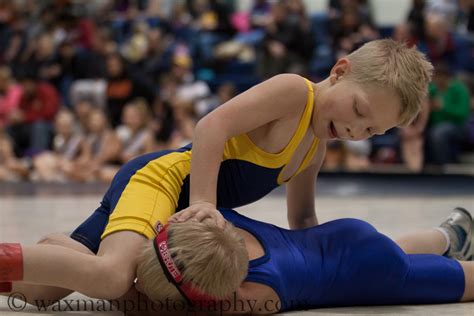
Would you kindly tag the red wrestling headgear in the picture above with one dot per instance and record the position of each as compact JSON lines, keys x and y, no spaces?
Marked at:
{"x":190,"y":292}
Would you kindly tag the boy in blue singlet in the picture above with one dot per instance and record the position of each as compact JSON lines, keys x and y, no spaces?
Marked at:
{"x":254,"y":267}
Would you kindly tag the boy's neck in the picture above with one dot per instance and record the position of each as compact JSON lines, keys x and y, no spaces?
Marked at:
{"x":321,"y":86}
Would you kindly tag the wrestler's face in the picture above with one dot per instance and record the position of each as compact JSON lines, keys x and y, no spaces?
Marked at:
{"x":347,"y":110}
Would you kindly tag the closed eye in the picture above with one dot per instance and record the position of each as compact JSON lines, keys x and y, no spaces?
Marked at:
{"x":356,"y":111}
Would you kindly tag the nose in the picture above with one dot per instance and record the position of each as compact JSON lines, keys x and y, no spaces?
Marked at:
{"x":356,"y":133}
{"x":349,"y":132}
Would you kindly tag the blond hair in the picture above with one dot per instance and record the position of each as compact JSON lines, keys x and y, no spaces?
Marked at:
{"x":387,"y":63}
{"x":215,"y":260}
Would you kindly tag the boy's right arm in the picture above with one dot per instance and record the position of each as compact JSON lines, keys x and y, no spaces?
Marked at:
{"x":277,"y":98}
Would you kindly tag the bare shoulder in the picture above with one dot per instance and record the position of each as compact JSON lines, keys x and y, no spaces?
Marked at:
{"x":275,"y":99}
{"x":291,"y":86}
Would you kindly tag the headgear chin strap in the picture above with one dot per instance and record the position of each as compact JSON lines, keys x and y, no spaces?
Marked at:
{"x":190,"y":292}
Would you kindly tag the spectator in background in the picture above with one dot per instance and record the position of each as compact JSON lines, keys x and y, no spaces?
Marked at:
{"x":31,"y":122}
{"x":412,"y":140}
{"x":91,"y":69}
{"x":449,"y":101}
{"x":446,"y":9}
{"x":405,"y":32}
{"x":260,"y":14}
{"x":288,"y":44}
{"x":159,"y":55}
{"x":66,"y":61}
{"x":10,"y":95}
{"x":82,"y":110}
{"x":439,"y":42}
{"x":465,"y":18}
{"x":416,"y":19}
{"x":133,"y":133}
{"x":11,"y":168}
{"x":58,"y":165}
{"x":121,"y":88}
{"x":225,"y":92}
{"x":44,"y":60}
{"x":351,"y":29}
{"x":163,"y":127}
{"x":212,"y":22}
{"x":335,"y":156}
{"x":102,"y":147}
{"x":135,"y":48}
{"x":187,"y":90}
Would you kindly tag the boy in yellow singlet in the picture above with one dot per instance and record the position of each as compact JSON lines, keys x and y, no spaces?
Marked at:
{"x":284,"y":124}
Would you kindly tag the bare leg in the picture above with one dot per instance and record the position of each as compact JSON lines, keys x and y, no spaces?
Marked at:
{"x":34,"y":292}
{"x":429,"y":241}
{"x":468,"y":267}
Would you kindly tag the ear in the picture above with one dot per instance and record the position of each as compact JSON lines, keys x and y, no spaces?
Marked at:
{"x":340,"y":69}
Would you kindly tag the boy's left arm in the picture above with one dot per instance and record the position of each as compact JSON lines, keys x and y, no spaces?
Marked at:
{"x":300,"y":193}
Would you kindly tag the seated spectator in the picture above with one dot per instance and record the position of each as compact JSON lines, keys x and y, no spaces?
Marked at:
{"x":412,"y":140}
{"x":58,"y":165}
{"x":447,"y":9}
{"x":102,"y":147}
{"x":335,"y":156}
{"x":31,"y":122}
{"x":357,"y":155}
{"x":121,"y":88}
{"x":163,"y":127}
{"x":82,"y":110}
{"x":225,"y":92}
{"x":465,"y":18}
{"x":439,"y":43}
{"x":212,"y":22}
{"x":350,"y":31}
{"x":10,"y":95}
{"x":416,"y":18}
{"x":133,"y":133}
{"x":350,"y":156}
{"x":288,"y":44}
{"x":135,"y":49}
{"x":405,"y":33}
{"x":11,"y":168}
{"x":181,"y":84}
{"x":449,"y":101}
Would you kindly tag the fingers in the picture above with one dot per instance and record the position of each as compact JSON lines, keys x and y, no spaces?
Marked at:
{"x":198,"y":216}
{"x":220,"y":221}
{"x":182,"y":216}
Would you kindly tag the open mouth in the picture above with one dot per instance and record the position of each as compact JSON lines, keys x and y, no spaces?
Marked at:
{"x":332,"y":130}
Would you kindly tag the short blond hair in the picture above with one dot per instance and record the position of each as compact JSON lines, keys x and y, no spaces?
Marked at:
{"x":387,"y":63}
{"x":215,"y":260}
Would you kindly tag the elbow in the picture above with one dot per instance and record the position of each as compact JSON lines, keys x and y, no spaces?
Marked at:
{"x":110,"y":283}
{"x":211,"y":126}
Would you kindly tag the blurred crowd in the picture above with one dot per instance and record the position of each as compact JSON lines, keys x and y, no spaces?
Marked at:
{"x":87,"y":85}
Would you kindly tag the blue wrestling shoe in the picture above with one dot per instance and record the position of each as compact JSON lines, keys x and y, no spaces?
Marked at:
{"x":459,"y":226}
